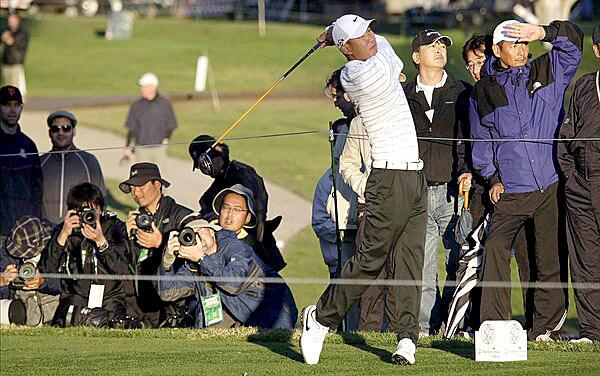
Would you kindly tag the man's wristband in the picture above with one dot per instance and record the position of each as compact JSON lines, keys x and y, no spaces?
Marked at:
{"x":103,"y":247}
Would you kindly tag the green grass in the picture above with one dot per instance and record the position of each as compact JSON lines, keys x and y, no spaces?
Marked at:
{"x":67,"y":57}
{"x":246,"y":351}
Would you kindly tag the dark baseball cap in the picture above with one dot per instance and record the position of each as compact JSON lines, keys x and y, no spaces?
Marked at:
{"x":140,"y":174}
{"x":429,"y":36}
{"x":10,"y":93}
{"x":28,"y":237}
{"x":596,"y":34}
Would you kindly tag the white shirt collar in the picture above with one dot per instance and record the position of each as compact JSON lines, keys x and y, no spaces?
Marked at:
{"x":441,"y":83}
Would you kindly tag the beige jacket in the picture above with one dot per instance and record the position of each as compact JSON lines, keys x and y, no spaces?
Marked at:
{"x":355,"y":160}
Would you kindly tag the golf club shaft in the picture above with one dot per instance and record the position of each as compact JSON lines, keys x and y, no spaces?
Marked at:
{"x":315,"y":47}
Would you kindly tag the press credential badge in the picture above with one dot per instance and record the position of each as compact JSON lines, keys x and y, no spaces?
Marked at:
{"x":96,"y":296}
{"x":212,"y":309}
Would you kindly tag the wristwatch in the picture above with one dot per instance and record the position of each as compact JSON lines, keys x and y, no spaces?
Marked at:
{"x":103,"y":247}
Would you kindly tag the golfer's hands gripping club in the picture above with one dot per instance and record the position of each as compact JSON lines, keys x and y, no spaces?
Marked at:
{"x":326,"y":39}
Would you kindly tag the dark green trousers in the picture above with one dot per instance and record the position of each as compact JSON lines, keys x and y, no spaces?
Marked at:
{"x":396,"y":221}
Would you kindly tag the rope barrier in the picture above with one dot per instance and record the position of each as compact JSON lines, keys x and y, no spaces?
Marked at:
{"x":303,"y":133}
{"x":311,"y":281}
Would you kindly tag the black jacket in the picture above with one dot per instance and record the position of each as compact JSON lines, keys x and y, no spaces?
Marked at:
{"x":237,"y":173}
{"x":69,"y":260}
{"x":167,"y":218}
{"x":444,"y":160}
{"x":21,"y":180}
{"x":15,"y":54}
{"x":582,"y":121}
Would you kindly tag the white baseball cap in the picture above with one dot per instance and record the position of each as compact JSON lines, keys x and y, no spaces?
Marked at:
{"x":348,"y":27}
{"x":500,"y":32}
{"x":148,"y":79}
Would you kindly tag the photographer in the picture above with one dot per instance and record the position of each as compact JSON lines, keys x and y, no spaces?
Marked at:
{"x":89,"y":241}
{"x":236,"y":210}
{"x":209,"y":251}
{"x":30,"y":299}
{"x":148,"y":229}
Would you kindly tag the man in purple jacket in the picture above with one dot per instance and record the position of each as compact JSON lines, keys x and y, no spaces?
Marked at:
{"x":521,"y":99}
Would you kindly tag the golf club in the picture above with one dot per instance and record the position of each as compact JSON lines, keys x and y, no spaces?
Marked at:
{"x":206,"y":165}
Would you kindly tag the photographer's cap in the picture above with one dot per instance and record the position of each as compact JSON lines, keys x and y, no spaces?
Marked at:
{"x":500,"y":33}
{"x":427,"y":37}
{"x":28,"y":237}
{"x":140,"y":174}
{"x":242,"y":191}
{"x":196,"y":222}
{"x":61,"y":114}
{"x":349,"y":27}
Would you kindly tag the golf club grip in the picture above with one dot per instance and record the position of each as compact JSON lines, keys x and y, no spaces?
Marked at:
{"x":466,"y":204}
{"x":313,"y":49}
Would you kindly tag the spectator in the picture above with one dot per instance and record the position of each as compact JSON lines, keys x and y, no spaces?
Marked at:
{"x":580,"y":162}
{"x":439,"y":105}
{"x":77,"y":247}
{"x":227,"y":173}
{"x":151,"y":121}
{"x":65,"y":166}
{"x":20,"y":173}
{"x":522,"y":99}
{"x":235,"y":206}
{"x":25,"y":245}
{"x":148,"y":245}
{"x":395,"y":193}
{"x":219,"y":254}
{"x":15,"y":40}
{"x":475,"y":51}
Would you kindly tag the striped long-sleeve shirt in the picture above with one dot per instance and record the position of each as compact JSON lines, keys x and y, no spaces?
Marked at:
{"x":374,"y":88}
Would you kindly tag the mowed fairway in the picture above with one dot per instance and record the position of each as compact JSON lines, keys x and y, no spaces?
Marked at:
{"x":248,"y":352}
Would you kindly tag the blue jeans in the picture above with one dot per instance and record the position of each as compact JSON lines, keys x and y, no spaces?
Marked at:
{"x":441,"y":221}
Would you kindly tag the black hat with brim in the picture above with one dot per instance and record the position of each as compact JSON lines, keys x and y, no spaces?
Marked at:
{"x":596,"y":34}
{"x":429,"y":36}
{"x":140,"y":174}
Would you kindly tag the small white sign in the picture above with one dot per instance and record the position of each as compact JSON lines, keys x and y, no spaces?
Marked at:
{"x":500,"y":341}
{"x":201,"y":74}
{"x":96,"y":296}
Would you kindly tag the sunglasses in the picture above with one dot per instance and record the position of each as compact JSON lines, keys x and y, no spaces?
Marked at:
{"x":56,"y":128}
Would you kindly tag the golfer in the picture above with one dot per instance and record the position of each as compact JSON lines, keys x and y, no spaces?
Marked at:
{"x":396,"y":191}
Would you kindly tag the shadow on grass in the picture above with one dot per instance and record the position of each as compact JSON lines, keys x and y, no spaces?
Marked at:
{"x":277,"y":341}
{"x":355,"y":339}
{"x":461,"y":348}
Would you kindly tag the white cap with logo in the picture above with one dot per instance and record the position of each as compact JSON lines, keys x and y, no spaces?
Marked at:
{"x":148,"y":79}
{"x":500,"y":33}
{"x":348,"y":27}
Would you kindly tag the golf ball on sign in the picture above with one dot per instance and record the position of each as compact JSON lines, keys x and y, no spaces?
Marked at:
{"x":280,"y":244}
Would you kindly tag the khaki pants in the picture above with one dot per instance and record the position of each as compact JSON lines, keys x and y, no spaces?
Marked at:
{"x":14,"y":75}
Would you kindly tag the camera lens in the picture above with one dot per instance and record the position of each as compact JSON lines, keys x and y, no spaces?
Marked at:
{"x":27,"y":271}
{"x":89,"y":217}
{"x":187,"y":237}
{"x":144,"y":221}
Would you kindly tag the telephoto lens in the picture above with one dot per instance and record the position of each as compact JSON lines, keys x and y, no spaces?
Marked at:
{"x":88,"y":216}
{"x":144,"y":221}
{"x":27,"y":271}
{"x":187,"y":237}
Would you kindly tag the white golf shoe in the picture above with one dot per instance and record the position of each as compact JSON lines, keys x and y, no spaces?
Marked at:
{"x":313,"y":335}
{"x":405,"y":352}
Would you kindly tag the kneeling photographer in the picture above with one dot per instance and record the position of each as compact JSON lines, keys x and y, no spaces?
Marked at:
{"x":208,"y":250}
{"x":148,"y":229}
{"x":25,"y":297}
{"x":89,"y":241}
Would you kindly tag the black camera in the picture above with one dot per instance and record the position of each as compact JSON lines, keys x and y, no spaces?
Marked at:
{"x":26,"y":272}
{"x":88,"y":216}
{"x":187,"y":237}
{"x":144,"y":221}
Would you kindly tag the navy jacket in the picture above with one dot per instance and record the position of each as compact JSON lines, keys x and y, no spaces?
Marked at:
{"x":253,"y":303}
{"x":524,"y":102}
